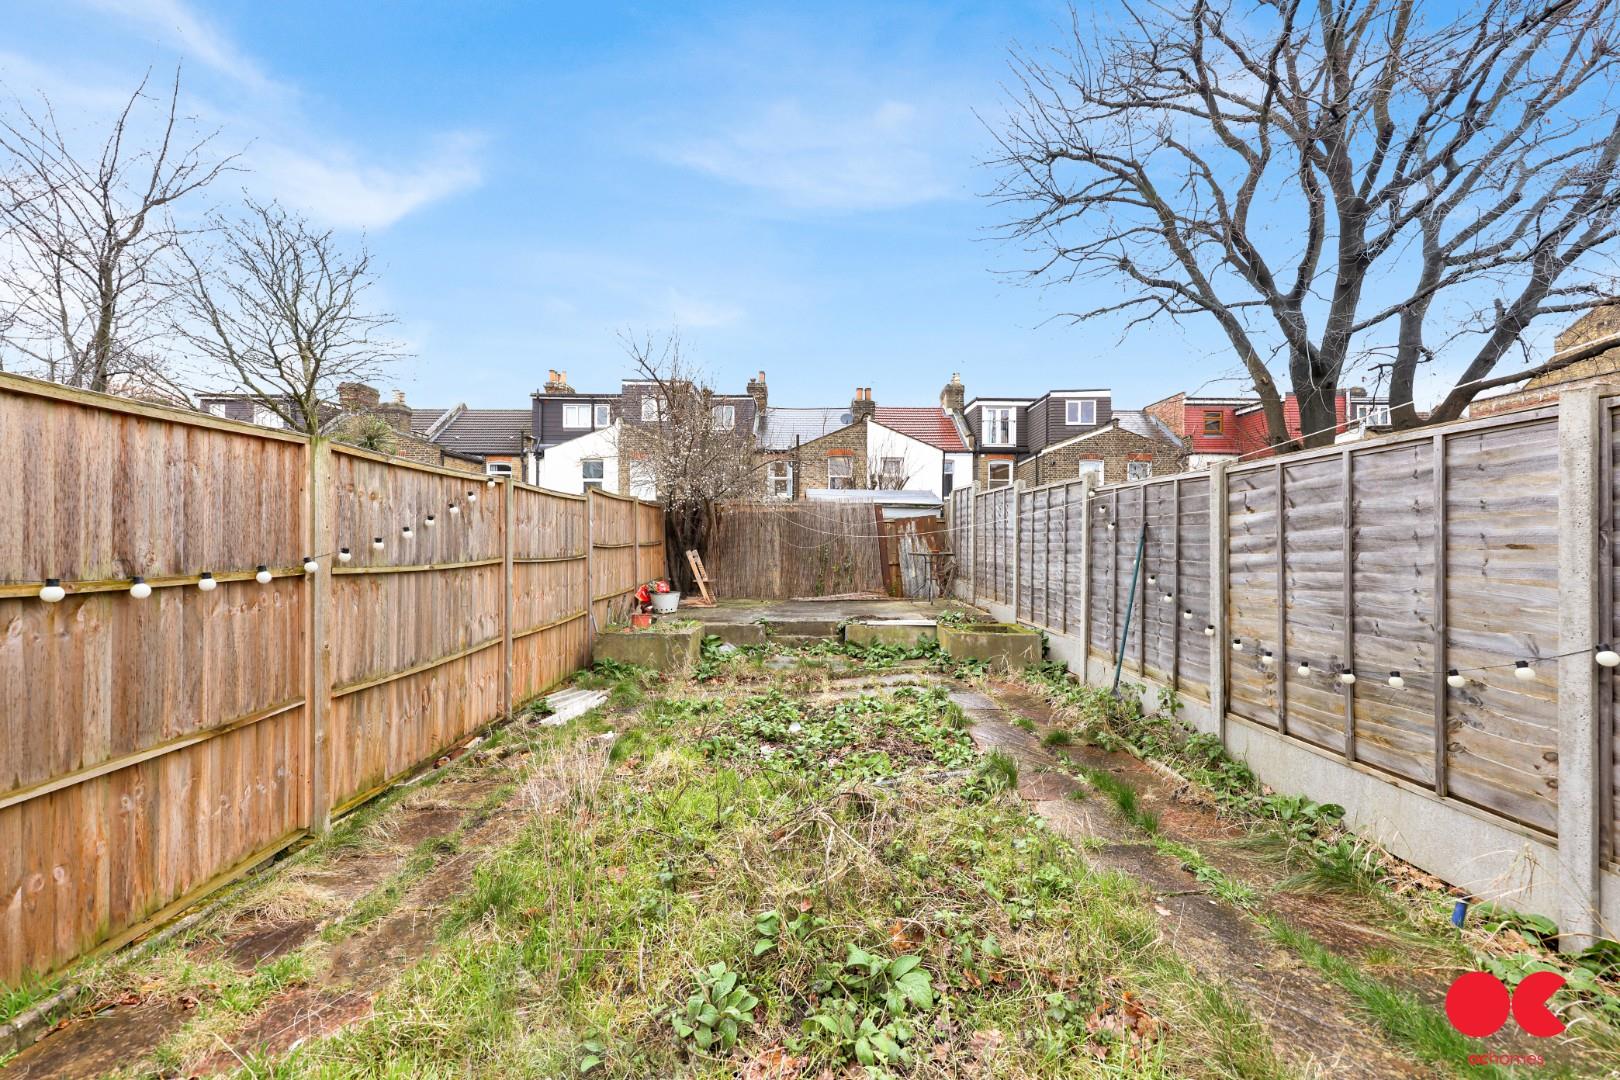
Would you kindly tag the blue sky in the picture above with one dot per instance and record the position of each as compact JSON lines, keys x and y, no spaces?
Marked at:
{"x":796,"y":191}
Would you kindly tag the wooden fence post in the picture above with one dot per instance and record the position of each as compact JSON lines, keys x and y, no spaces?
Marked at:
{"x":1218,"y":555}
{"x":1279,"y":659}
{"x":508,"y":494}
{"x":590,"y":567}
{"x":1581,"y":442}
{"x":318,"y":676}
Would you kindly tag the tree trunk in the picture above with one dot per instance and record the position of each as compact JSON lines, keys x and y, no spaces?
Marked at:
{"x":1318,"y":414}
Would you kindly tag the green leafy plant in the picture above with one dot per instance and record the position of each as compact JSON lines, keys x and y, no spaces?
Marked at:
{"x":864,"y":1002}
{"x":716,"y":1010}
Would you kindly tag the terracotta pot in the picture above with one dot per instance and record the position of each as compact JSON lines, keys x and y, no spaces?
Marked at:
{"x":641,"y":620}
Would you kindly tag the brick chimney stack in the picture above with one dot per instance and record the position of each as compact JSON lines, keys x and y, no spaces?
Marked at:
{"x":396,"y":412}
{"x":954,"y":396}
{"x":557,"y":383}
{"x":357,"y":397}
{"x":756,"y":390}
{"x":863,"y":407}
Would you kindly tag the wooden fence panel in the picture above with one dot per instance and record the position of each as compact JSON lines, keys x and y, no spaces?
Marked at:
{"x":550,"y":607}
{"x":613,"y":556}
{"x":1192,"y":586}
{"x":146,"y":746}
{"x":1502,"y":606}
{"x":1393,"y":520}
{"x":1611,"y":620}
{"x":1251,"y":508}
{"x":652,"y":562}
{"x":1104,"y":535}
{"x":152,"y":748}
{"x":1159,"y":565}
{"x":1314,"y":613}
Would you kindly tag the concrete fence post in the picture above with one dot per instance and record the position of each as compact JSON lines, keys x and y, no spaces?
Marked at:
{"x":1017,"y":561}
{"x":1087,"y":483}
{"x":1580,"y":449}
{"x":1218,"y":553}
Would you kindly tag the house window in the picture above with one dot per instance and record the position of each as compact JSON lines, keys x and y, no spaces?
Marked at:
{"x":265,"y":416}
{"x":1214,"y":423}
{"x":590,"y":473}
{"x":725,"y":417}
{"x":1138,"y":470}
{"x":947,"y":478}
{"x":1372,"y":412}
{"x":998,"y":474}
{"x":1000,"y":427}
{"x":216,"y":408}
{"x":1080,"y":412}
{"x":497,"y":468}
{"x":891,"y":473}
{"x":652,"y":409}
{"x":576,"y":416}
{"x":779,"y":480}
{"x":1089,"y":467}
{"x":840,"y":473}
{"x":604,"y":416}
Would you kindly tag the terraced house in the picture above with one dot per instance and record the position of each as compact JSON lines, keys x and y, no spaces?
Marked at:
{"x":1063,"y":434}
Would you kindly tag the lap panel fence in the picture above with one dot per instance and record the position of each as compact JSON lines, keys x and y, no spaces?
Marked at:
{"x":1430,"y":606}
{"x":198,"y":700}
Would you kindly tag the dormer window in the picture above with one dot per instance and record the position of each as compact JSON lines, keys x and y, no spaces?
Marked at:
{"x":650,"y":409}
{"x":1000,"y":426}
{"x":1080,"y":412}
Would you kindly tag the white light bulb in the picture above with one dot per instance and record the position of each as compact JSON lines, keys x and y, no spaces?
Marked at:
{"x":139,"y":589}
{"x":454,"y":509}
{"x":1455,"y":680}
{"x":343,"y":555}
{"x":1607,"y":657}
{"x":1237,"y":644}
{"x":263,"y":576}
{"x":1110,"y":526}
{"x":52,"y":592}
{"x":1167,"y":598}
{"x":490,"y":483}
{"x":1523,"y":671}
{"x":206,"y":582}
{"x":429,"y":521}
{"x":310,"y":565}
{"x":1395,"y":680}
{"x":406,"y":532}
{"x":1209,"y":631}
{"x":472,"y":496}
{"x":1152,"y":578}
{"x":376,"y":543}
{"x":1187,"y":614}
{"x":1265,"y":658}
{"x":1347,"y":677}
{"x":1304,"y":667}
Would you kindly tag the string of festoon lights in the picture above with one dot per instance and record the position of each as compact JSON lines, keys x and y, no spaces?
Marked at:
{"x":1604,"y":655}
{"x":53,"y":591}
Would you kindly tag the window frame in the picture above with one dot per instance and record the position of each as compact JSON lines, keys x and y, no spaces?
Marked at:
{"x":586,"y":480}
{"x":1095,"y":466}
{"x":498,"y":468}
{"x":602,"y":414}
{"x":847,"y":474}
{"x":898,"y":473}
{"x":651,"y":405}
{"x":1073,"y":405}
{"x":723,"y":417}
{"x":990,"y":468}
{"x":265,"y":416}
{"x":1219,"y":419}
{"x":993,"y":416}
{"x":577,"y":410}
{"x":779,"y":480}
{"x":947,"y":476}
{"x":1131,"y":466}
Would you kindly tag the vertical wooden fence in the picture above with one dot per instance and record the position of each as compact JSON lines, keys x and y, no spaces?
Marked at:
{"x":1327,"y":595}
{"x":153,"y":748}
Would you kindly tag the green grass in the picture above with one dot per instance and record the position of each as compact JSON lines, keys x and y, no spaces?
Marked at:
{"x":868,"y":824}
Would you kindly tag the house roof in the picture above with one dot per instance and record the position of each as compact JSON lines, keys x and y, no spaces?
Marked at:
{"x":933,"y":426}
{"x":1135,"y":421}
{"x":780,"y":429}
{"x":422,"y":420}
{"x":483,"y":431}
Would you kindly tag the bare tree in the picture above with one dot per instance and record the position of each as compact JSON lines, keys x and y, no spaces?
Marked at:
{"x":91,"y":242}
{"x":281,"y":309}
{"x":681,"y":446}
{"x":1334,"y":183}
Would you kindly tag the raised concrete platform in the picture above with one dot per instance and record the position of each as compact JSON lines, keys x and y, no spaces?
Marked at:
{"x":904,"y":633}
{"x":798,"y":622}
{"x":659,"y":649}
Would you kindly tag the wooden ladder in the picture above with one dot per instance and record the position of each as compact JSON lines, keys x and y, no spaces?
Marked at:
{"x":701,"y":576}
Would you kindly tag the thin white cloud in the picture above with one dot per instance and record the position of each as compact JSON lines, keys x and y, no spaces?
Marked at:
{"x":333,"y":187}
{"x":871,"y":157}
{"x":174,"y":24}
